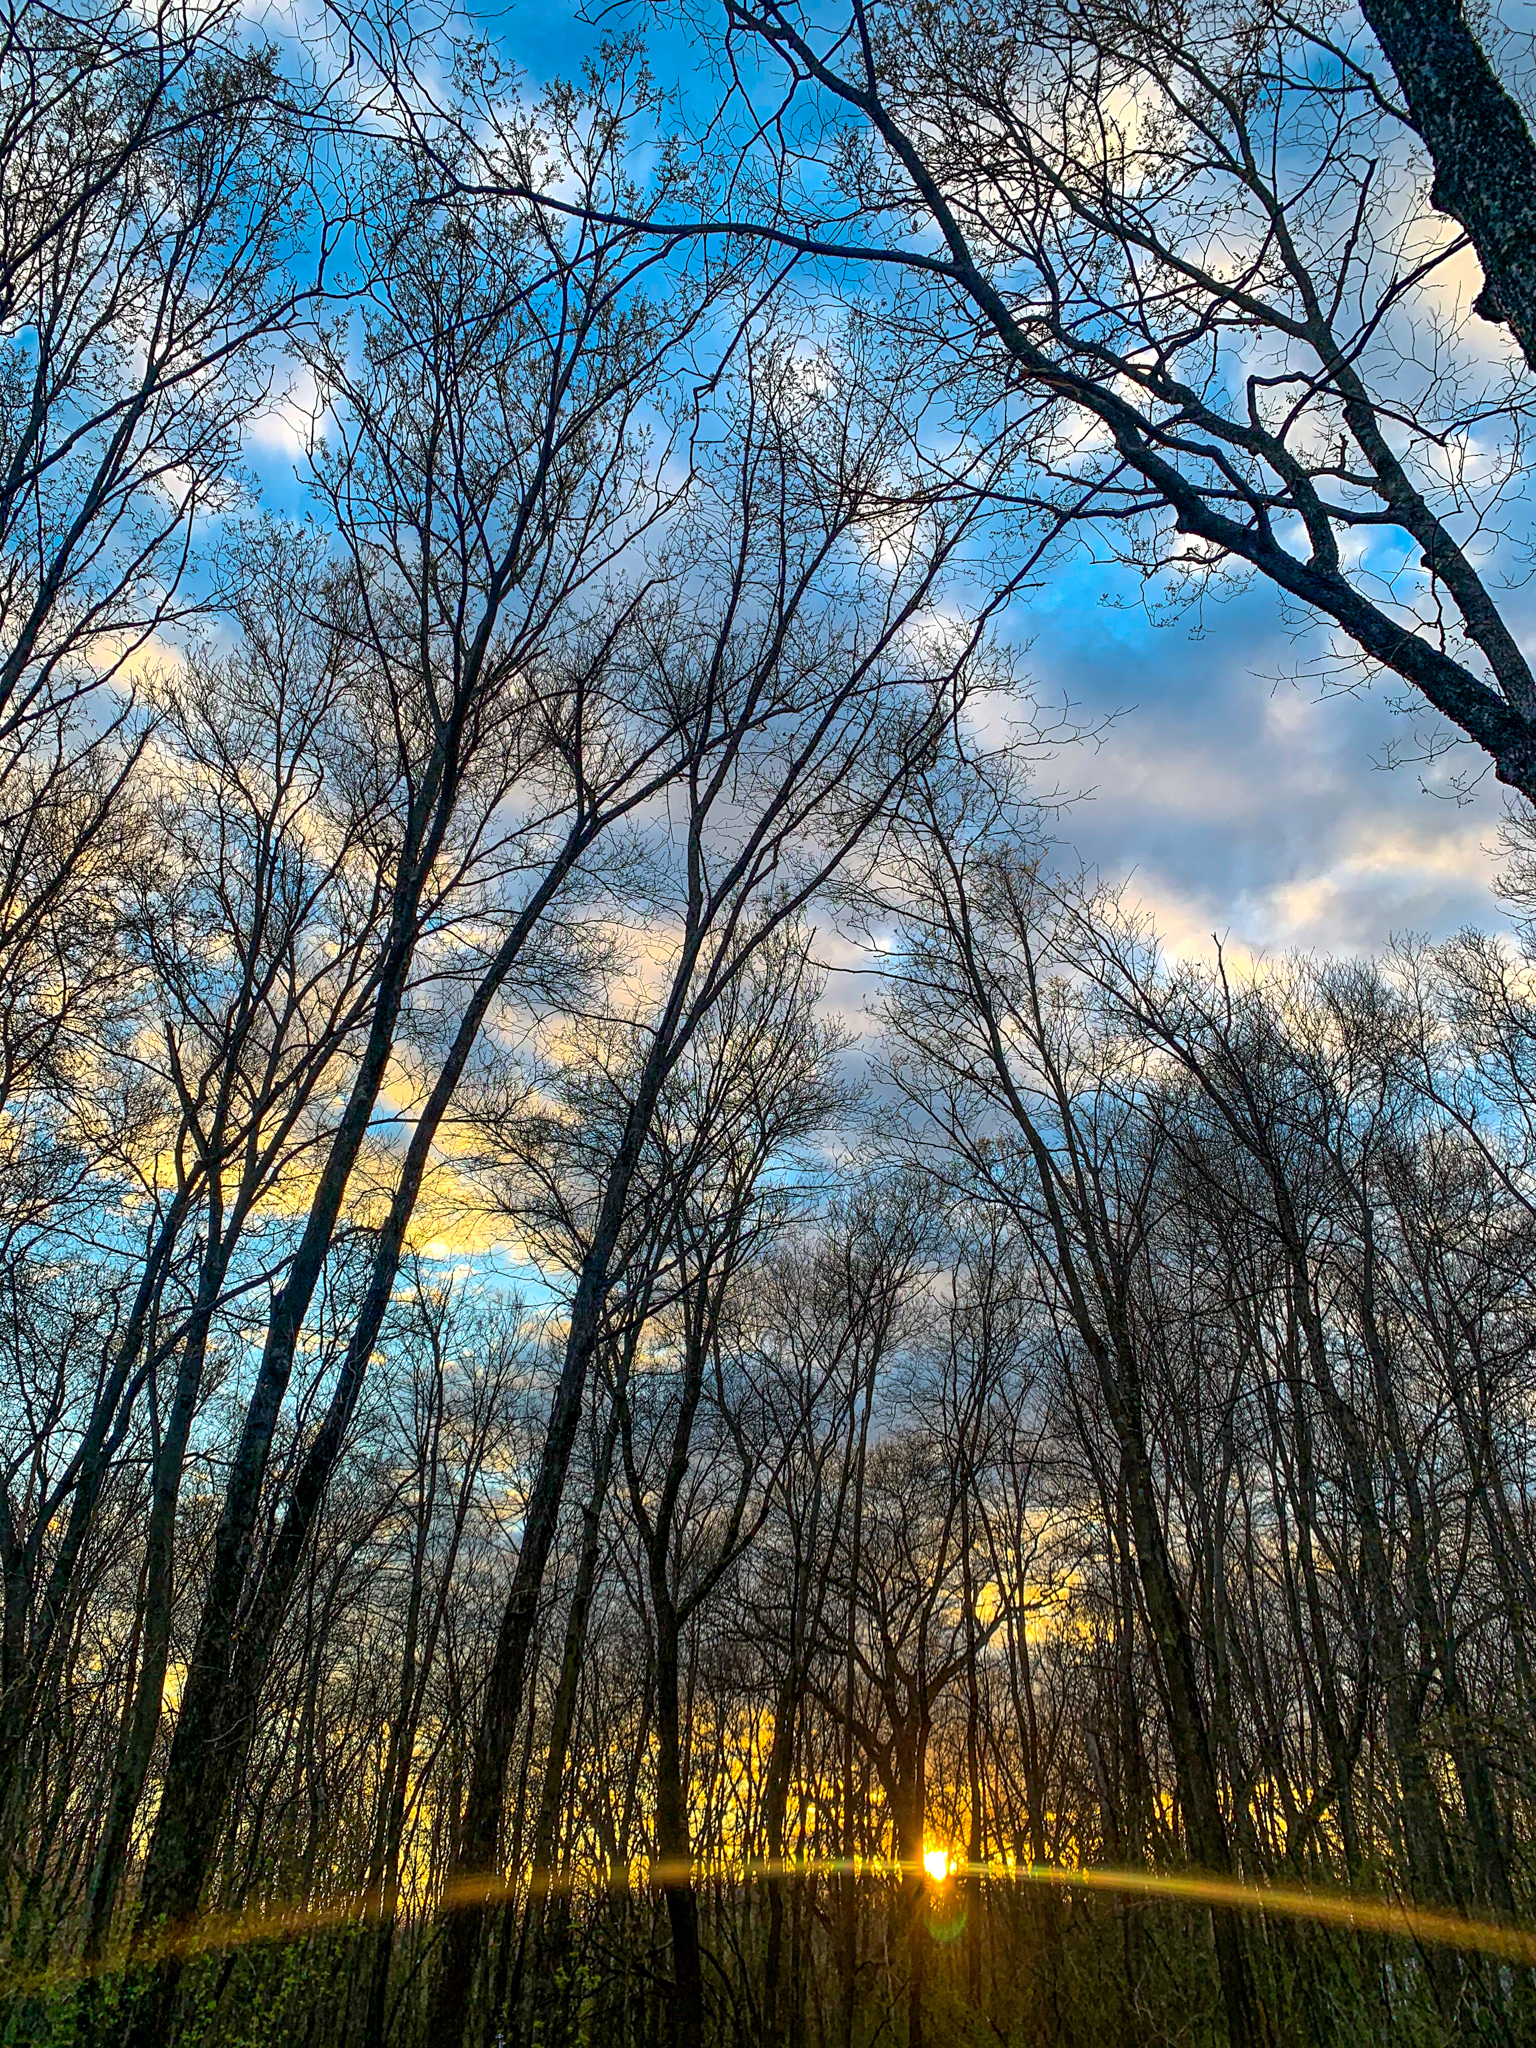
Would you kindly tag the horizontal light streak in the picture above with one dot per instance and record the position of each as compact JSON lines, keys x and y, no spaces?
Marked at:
{"x":1359,"y":1912}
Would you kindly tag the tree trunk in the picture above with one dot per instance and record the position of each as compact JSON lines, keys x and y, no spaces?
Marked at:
{"x":907,"y":1813}
{"x":1195,"y":1768}
{"x":848,"y":1896}
{"x":205,"y":1750}
{"x":781,"y":1757}
{"x":673,"y":1842}
{"x":25,"y":1653}
{"x":159,"y":1596}
{"x":975,"y":1848}
{"x":1478,"y":141}
{"x":562,"y":1722}
{"x":479,"y":1835}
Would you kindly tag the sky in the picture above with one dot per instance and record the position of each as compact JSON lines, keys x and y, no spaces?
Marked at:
{"x":1236,"y":803}
{"x":1245,"y":805}
{"x":1239,"y":804}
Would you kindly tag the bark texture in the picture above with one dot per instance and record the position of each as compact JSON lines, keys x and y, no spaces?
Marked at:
{"x":1477,"y":138}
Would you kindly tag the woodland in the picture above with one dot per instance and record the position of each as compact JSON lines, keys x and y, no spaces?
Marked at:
{"x":664,"y":1379}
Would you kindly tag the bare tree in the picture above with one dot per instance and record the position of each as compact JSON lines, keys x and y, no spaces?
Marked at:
{"x":755,"y":1086}
{"x":790,"y":661}
{"x":999,"y":1046}
{"x":152,"y":210}
{"x":1169,"y":258}
{"x":473,"y":508}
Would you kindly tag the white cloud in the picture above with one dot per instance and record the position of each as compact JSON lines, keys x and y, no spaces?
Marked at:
{"x":294,"y":414}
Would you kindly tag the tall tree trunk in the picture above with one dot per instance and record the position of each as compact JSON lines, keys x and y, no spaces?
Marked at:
{"x":1308,"y":1622}
{"x":781,"y":1757}
{"x":201,"y":1769}
{"x":1491,"y":1871}
{"x":562,"y":1723}
{"x":848,"y":1895}
{"x":907,"y":1813}
{"x":975,"y":1848}
{"x":159,"y":1599}
{"x":479,"y":1837}
{"x":27,"y":1637}
{"x":1479,"y":143}
{"x":1193,"y":1762}
{"x":673,"y":1840}
{"x":384,"y":1873}
{"x":478,"y":1843}
{"x":1423,"y":1824}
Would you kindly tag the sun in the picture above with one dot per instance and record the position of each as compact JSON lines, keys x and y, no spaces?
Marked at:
{"x":936,"y":1863}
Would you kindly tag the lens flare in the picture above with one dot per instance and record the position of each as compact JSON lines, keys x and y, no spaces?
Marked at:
{"x":1362,"y":1913}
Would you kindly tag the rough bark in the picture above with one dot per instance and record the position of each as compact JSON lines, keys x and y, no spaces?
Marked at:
{"x":1479,"y":143}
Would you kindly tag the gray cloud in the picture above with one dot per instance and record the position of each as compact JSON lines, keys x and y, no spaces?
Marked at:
{"x":1249,"y":805}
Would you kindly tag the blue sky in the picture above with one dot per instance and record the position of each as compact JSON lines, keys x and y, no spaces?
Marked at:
{"x":1248,"y":805}
{"x":1240,"y":803}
